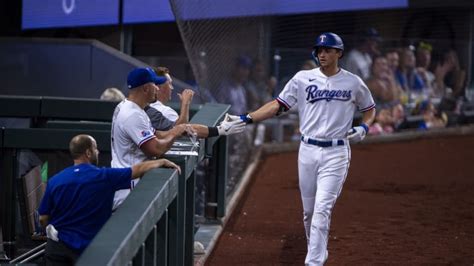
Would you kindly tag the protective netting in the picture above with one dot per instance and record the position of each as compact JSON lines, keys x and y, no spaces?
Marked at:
{"x":233,"y":59}
{"x":215,"y":47}
{"x":246,"y":60}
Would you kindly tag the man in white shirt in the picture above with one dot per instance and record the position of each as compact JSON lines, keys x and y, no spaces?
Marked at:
{"x":164,"y":96}
{"x":133,"y":138}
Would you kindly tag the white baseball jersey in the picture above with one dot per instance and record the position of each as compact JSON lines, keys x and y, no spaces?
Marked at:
{"x":131,"y":128}
{"x":167,"y":111}
{"x":326,"y":105}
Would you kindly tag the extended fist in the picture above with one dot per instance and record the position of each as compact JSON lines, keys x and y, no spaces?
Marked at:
{"x":358,"y":133}
{"x":230,"y":118}
{"x":186,"y":96}
{"x":228,"y":127}
{"x":247,"y":119}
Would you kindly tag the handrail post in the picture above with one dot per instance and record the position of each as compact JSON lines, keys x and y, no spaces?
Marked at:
{"x":189,"y":222}
{"x":221,"y":171}
{"x":173,"y":233}
{"x":7,"y":188}
{"x":181,"y":211}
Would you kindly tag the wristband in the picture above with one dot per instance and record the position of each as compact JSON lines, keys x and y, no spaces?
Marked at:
{"x":366,"y":128}
{"x":213,"y":131}
{"x":246,"y":118}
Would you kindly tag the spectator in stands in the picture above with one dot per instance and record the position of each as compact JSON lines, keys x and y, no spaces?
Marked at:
{"x":359,"y":60}
{"x":384,"y":123}
{"x":382,"y":84}
{"x":431,"y":118}
{"x":112,"y":94}
{"x":399,"y":117}
{"x":450,"y":78}
{"x":199,"y":81}
{"x":260,"y":89}
{"x":392,"y":59}
{"x":233,"y":91}
{"x":78,"y":200}
{"x":456,"y":78}
{"x":423,"y":62}
{"x":257,"y":86}
{"x":162,"y":116}
{"x":407,"y":76}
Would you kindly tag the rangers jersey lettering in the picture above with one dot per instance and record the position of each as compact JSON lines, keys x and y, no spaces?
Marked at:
{"x":326,"y":105}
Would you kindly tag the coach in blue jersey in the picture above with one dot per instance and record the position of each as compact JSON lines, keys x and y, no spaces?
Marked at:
{"x":326,"y":98}
{"x":78,"y":200}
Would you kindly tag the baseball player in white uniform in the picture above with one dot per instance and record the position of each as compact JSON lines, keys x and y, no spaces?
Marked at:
{"x":326,"y":98}
{"x":133,"y":137}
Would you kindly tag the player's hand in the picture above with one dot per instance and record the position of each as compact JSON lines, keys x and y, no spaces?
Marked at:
{"x":358,"y":133}
{"x":169,"y":164}
{"x":231,"y":127}
{"x":186,"y":96}
{"x":231,"y":118}
{"x":246,"y":118}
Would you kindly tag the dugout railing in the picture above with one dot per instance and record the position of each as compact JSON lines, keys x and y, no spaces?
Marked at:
{"x":52,"y":123}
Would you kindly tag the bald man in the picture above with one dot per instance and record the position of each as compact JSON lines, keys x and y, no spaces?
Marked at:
{"x":78,"y":200}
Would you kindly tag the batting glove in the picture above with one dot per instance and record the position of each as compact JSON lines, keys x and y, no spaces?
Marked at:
{"x":231,"y":127}
{"x":245,"y":118}
{"x":229,"y":117}
{"x":358,"y":133}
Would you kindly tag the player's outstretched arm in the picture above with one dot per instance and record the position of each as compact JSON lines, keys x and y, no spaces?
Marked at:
{"x":268,"y":110}
{"x":162,"y":143}
{"x":224,"y":129}
{"x":138,"y":170}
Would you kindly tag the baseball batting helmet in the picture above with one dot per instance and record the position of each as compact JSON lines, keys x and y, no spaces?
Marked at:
{"x":327,"y":39}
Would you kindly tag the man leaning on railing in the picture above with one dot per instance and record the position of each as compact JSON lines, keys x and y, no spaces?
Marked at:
{"x":78,"y":200}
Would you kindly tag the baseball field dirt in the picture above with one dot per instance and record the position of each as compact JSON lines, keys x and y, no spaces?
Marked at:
{"x":403,"y":203}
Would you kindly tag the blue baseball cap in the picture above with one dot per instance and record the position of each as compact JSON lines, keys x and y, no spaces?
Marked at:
{"x":143,"y":75}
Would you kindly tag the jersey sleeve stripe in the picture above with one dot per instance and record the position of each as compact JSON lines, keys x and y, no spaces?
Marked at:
{"x":280,"y":100}
{"x":145,"y":140}
{"x":367,"y":108}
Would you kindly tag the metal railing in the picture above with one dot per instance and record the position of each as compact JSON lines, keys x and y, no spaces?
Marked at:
{"x":155,"y":224}
{"x":141,"y":229}
{"x":178,"y":219}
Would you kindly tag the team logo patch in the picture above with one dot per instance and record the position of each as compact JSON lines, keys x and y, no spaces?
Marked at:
{"x":322,"y":38}
{"x":314,"y":95}
{"x":145,"y":133}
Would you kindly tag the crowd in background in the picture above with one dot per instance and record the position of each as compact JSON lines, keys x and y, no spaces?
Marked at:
{"x":415,"y":80}
{"x":415,"y":86}
{"x":410,"y":80}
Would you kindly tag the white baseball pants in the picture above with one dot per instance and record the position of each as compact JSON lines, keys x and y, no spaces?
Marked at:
{"x":322,"y":172}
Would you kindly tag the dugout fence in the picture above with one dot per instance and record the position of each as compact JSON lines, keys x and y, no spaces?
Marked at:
{"x":159,"y":231}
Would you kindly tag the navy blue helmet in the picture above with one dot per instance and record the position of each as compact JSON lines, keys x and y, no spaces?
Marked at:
{"x":329,"y":39}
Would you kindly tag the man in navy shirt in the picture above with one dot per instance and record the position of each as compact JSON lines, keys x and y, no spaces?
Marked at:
{"x":78,"y":200}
